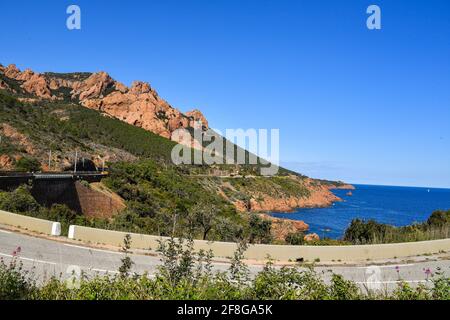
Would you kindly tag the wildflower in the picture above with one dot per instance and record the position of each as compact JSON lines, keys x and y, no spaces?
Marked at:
{"x":428,"y":272}
{"x":17,"y":251}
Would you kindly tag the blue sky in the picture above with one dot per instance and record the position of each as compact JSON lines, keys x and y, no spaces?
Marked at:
{"x":352,"y":104}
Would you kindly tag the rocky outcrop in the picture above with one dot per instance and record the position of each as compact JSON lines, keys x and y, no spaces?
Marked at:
{"x":11,"y":71}
{"x":33,"y":83}
{"x":343,"y":186}
{"x":282,"y":227}
{"x":320,"y":197}
{"x":6,"y":162}
{"x":197,"y":117}
{"x":4,"y":85}
{"x":139,"y":105}
{"x":93,"y":87}
{"x":311,"y":237}
{"x":38,"y":86}
{"x":18,"y":138}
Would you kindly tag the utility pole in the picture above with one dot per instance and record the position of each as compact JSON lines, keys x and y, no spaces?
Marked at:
{"x":49,"y":160}
{"x":76,"y":159}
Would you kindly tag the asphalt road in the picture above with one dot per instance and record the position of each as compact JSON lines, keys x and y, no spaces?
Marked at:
{"x":45,"y":258}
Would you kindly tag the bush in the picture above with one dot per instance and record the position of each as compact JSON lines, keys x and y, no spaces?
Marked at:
{"x":295,"y":238}
{"x":28,"y":165}
{"x":436,"y":227}
{"x":15,"y":283}
{"x":19,"y":201}
{"x":439,"y":219}
{"x":260,"y":230}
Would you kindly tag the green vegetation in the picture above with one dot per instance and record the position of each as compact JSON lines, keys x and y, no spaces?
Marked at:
{"x":15,"y":86}
{"x":164,"y":202}
{"x":260,"y":230}
{"x":184,"y":274}
{"x":64,"y":126}
{"x":21,"y":201}
{"x":76,"y":127}
{"x":25,"y":164}
{"x":70,"y":76}
{"x":295,"y":239}
{"x":159,"y":202}
{"x":371,"y":232}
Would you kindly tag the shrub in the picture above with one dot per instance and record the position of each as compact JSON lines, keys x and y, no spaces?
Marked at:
{"x":260,"y":230}
{"x":295,"y":238}
{"x":19,"y":201}
{"x":28,"y":165}
{"x":439,"y":218}
{"x":436,"y":227}
{"x":15,"y":283}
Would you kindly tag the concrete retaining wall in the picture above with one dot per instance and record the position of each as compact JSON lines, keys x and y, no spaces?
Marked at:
{"x":277,"y":252}
{"x":29,"y":223}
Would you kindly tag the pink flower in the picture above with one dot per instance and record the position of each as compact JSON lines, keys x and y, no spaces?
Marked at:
{"x":17,"y":251}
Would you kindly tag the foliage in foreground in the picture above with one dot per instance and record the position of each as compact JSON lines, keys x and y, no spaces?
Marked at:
{"x":184,"y":274}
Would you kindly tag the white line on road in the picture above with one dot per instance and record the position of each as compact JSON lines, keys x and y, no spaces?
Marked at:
{"x":393,"y":266}
{"x":103,"y":270}
{"x":4,"y":231}
{"x":92,"y":249}
{"x":390,"y":281}
{"x":27,"y":259}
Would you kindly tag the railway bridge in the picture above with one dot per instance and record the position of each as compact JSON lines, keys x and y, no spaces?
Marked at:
{"x":50,"y":188}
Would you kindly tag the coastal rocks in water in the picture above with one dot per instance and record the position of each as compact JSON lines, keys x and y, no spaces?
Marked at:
{"x":320,"y":196}
{"x":310,"y":237}
{"x":343,"y":186}
{"x":282,"y":227}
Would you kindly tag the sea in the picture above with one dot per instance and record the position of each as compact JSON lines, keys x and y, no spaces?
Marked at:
{"x":398,"y":206}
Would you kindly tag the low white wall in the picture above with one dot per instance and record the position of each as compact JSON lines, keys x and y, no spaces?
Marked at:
{"x":30,"y":223}
{"x":277,"y":252}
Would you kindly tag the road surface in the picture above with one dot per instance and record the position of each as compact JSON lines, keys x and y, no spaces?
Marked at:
{"x":46,"y":258}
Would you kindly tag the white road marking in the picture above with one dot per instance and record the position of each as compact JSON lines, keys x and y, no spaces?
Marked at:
{"x":393,"y":266}
{"x":103,"y":270}
{"x":92,"y":249}
{"x":390,"y":281}
{"x":4,"y":231}
{"x":28,"y":259}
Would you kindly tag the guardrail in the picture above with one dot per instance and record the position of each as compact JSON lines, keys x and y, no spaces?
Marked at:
{"x":29,"y":223}
{"x":278,"y":252}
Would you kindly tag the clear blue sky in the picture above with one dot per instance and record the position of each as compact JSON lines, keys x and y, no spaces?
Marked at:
{"x":352,"y":104}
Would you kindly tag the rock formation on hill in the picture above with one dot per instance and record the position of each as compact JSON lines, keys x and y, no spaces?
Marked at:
{"x":139,"y":105}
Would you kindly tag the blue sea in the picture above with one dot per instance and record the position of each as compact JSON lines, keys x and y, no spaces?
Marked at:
{"x":397,"y":206}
